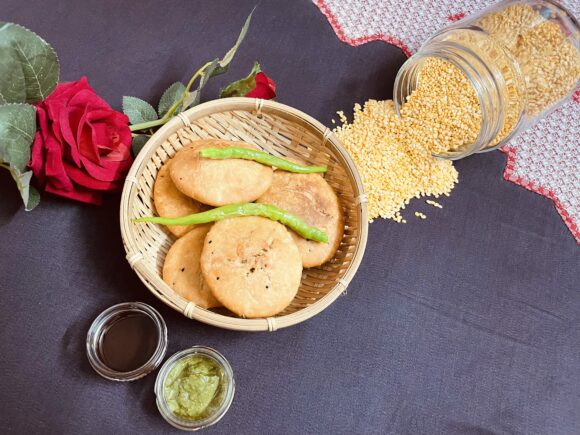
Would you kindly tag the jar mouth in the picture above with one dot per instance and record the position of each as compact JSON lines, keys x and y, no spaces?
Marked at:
{"x":101,"y":325}
{"x":485,"y":82}
{"x":475,"y":78}
{"x":187,"y":424}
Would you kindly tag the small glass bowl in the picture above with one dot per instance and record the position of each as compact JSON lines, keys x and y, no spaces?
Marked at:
{"x":105,"y":321}
{"x":193,"y":425}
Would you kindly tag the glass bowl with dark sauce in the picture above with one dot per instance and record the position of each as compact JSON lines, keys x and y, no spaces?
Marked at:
{"x":127,"y":341}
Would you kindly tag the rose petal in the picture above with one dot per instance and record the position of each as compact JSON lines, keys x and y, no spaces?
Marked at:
{"x":54,"y":166}
{"x":120,"y":122}
{"x":263,"y":78}
{"x":36,"y":163}
{"x":121,"y":153}
{"x":265,"y":87}
{"x":69,"y":142}
{"x":125,"y":140}
{"x":53,"y":108}
{"x":58,"y":99}
{"x":81,"y":178}
{"x":88,"y":98}
{"x":88,"y":147}
{"x":100,"y":114}
{"x":108,"y":170}
{"x":67,"y":89}
{"x":55,"y":128}
{"x":112,"y":149}
{"x":79,"y":194}
{"x":101,"y":135}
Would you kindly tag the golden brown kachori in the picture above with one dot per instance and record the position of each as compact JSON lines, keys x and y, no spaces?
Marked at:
{"x":252,"y":265}
{"x":219,"y":182}
{"x":170,"y":202}
{"x":311,"y":198}
{"x":181,"y":270}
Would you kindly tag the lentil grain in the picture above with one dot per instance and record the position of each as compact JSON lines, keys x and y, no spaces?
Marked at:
{"x":434,"y":203}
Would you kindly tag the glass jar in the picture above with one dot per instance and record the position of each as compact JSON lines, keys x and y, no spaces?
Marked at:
{"x":226,"y":391}
{"x":521,"y":57}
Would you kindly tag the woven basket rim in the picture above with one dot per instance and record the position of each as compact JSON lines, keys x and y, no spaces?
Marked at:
{"x":188,"y":308}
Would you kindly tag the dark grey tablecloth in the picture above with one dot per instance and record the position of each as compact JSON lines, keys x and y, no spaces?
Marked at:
{"x":465,"y":323}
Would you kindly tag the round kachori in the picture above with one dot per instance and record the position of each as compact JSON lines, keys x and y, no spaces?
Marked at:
{"x":170,"y":202}
{"x":219,"y":182}
{"x":310,"y":197}
{"x":181,"y":270}
{"x":251,"y":265}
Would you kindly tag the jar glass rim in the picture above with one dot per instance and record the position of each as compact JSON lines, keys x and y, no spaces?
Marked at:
{"x":108,"y":317}
{"x":446,"y":50}
{"x":192,"y":425}
{"x":522,"y":98}
{"x":487,"y":79}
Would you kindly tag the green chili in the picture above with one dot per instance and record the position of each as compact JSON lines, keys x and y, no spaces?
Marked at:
{"x":248,"y":209}
{"x":260,"y":157}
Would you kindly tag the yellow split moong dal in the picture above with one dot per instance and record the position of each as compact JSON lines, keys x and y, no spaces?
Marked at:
{"x":394,"y":166}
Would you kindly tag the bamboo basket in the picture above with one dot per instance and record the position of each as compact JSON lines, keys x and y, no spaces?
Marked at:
{"x":275,"y":128}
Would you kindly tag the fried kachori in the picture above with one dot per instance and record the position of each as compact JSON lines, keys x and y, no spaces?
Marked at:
{"x":181,"y":270}
{"x":310,"y":197}
{"x":219,"y":182}
{"x":251,"y":265}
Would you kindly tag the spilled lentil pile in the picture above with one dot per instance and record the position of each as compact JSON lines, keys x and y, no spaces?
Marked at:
{"x":394,"y":168}
{"x":395,"y":154}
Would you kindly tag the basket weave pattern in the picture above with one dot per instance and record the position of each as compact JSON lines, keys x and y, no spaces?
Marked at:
{"x":277,"y":129}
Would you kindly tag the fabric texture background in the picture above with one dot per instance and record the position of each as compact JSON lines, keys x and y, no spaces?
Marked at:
{"x":464,"y":323}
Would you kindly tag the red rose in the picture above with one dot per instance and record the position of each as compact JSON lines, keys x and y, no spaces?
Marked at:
{"x":265,"y":87}
{"x":83,"y":147}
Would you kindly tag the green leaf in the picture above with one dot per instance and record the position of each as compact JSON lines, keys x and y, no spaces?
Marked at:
{"x":33,"y":199}
{"x":138,"y":110}
{"x":36,"y":57}
{"x":17,"y":129}
{"x":139,"y":142}
{"x":30,"y":196}
{"x":12,"y":84}
{"x":193,"y":98}
{"x":190,"y":100}
{"x":170,"y":97}
{"x":241,"y":87}
{"x":228,"y":57}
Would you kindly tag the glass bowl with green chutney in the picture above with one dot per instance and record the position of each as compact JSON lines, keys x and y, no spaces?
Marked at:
{"x":194,"y":388}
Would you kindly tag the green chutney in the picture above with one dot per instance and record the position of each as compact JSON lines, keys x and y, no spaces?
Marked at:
{"x":194,"y":387}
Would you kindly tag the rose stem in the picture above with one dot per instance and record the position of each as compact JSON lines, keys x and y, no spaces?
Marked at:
{"x":172,"y":109}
